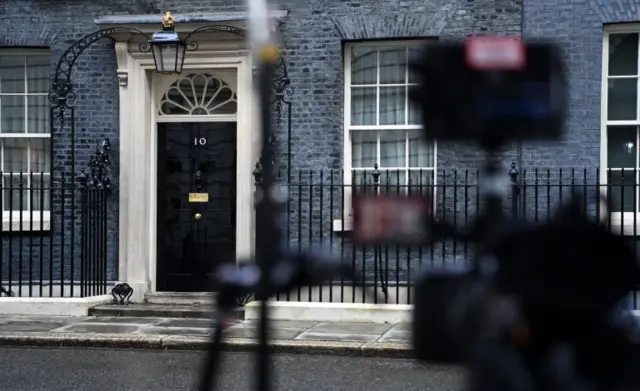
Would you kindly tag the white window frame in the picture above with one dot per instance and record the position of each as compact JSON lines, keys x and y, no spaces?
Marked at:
{"x":39,"y":220}
{"x":345,"y":224}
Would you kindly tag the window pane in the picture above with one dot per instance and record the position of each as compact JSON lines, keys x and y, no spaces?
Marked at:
{"x":623,"y":54}
{"x":363,"y":106}
{"x":12,"y":74}
{"x":415,"y":51}
{"x":41,"y":193}
{"x":393,"y":65}
{"x":392,"y":105}
{"x":621,"y":146}
{"x":40,"y":155}
{"x":420,"y":152}
{"x":38,"y":73}
{"x":11,"y":114}
{"x":415,"y":116}
{"x":168,"y":55}
{"x":623,"y":98}
{"x":364,"y":65}
{"x":15,"y":192}
{"x":393,"y":148}
{"x":15,"y":155}
{"x":363,"y":148}
{"x":622,"y":189}
{"x":37,"y":114}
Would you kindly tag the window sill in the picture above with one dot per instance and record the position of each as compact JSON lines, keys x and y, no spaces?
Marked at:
{"x":626,"y":224}
{"x":30,"y":222}
{"x":27,"y":226}
{"x":340,"y":226}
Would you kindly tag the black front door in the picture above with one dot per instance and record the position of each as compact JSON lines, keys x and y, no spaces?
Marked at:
{"x":196,"y":203}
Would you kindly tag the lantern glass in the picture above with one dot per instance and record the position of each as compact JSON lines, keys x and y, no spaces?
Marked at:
{"x":168,"y":52}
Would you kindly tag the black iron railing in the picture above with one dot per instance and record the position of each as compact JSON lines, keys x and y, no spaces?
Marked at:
{"x":53,"y":237}
{"x":319,"y":215}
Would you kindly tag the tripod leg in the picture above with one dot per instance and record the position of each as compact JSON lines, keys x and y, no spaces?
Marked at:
{"x":212,"y":362}
{"x":494,"y":367}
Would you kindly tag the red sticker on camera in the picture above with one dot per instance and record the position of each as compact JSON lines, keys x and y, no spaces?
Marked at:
{"x":495,"y":53}
{"x":396,"y":219}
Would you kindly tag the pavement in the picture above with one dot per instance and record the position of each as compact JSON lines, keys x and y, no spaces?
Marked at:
{"x":352,"y":339}
{"x":70,"y":369}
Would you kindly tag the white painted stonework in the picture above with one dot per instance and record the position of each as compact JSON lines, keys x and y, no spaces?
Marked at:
{"x":339,"y":312}
{"x":332,"y":312}
{"x":51,"y":306}
{"x":141,"y":89}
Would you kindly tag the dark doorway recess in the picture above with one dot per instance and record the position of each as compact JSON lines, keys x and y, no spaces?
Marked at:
{"x":196,"y":203}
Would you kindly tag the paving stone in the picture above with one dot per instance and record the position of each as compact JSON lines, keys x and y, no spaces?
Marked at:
{"x":30,"y":326}
{"x":51,"y":318}
{"x":309,"y":335}
{"x":281,"y":331}
{"x":7,"y":318}
{"x":402,"y":327}
{"x":351,"y":328}
{"x":123,"y":320}
{"x":186,"y":322}
{"x":275,"y":333}
{"x":186,"y":342}
{"x":153,"y":311}
{"x":396,"y":336}
{"x":283,"y":324}
{"x":153,"y":330}
{"x":98,"y":329}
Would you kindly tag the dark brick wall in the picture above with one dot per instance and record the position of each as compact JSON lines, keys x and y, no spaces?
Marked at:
{"x":578,"y":27}
{"x":313,"y":34}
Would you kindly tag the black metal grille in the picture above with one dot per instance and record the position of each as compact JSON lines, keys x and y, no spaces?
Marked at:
{"x":318,"y":215}
{"x":56,"y":251}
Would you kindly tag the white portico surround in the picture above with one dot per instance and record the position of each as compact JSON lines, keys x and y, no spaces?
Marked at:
{"x":140,"y":90}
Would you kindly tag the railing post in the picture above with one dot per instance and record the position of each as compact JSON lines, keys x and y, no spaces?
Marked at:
{"x":83,"y":181}
{"x":377,"y":261}
{"x":257,"y":175}
{"x":515,"y":189}
{"x":257,"y":191}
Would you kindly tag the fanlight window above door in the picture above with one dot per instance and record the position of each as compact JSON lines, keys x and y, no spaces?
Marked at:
{"x":198,"y":94}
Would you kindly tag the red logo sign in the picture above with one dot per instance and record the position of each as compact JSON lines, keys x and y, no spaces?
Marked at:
{"x":396,"y":219}
{"x":495,"y":53}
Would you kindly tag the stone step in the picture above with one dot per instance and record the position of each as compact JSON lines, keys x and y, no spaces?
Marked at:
{"x":180,"y":298}
{"x":158,"y":311}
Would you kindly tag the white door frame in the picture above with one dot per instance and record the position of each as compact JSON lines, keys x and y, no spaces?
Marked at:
{"x":138,"y":158}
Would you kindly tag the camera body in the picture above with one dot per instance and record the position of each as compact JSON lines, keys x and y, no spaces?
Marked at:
{"x":559,"y":284}
{"x":491,"y":90}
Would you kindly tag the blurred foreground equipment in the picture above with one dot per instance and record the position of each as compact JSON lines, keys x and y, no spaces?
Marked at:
{"x":537,"y":308}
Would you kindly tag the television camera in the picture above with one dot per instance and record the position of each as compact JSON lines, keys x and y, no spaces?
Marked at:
{"x":537,"y":308}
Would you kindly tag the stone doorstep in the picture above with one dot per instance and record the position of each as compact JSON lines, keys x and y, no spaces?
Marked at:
{"x":199,"y":343}
{"x":180,"y":298}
